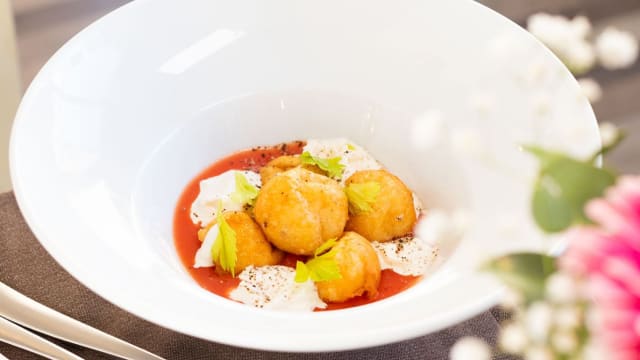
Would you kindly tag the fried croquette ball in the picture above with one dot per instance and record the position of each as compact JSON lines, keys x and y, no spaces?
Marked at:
{"x":299,"y":210}
{"x":359,"y":268}
{"x":282,"y":164}
{"x":391,"y":215}
{"x":252,"y":248}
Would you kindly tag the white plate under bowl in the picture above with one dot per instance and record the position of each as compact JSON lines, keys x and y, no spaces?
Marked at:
{"x":133,"y":107}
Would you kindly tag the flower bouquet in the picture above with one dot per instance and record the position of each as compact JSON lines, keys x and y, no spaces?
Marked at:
{"x":585,"y":302}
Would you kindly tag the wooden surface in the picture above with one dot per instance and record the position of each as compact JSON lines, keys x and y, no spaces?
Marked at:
{"x":44,"y":25}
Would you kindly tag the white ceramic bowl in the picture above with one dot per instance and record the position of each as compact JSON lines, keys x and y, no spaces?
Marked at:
{"x":129,"y":110}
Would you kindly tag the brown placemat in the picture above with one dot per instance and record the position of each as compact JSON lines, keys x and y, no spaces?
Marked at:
{"x":28,"y":268}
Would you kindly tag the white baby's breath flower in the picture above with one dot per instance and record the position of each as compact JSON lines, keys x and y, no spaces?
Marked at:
{"x":554,"y":31}
{"x":511,"y":299}
{"x":541,"y":104}
{"x":567,"y":317}
{"x":483,"y":103}
{"x":590,"y":89}
{"x":538,"y":353}
{"x":538,"y":320}
{"x":513,"y":339}
{"x":508,"y":224}
{"x":561,"y":288}
{"x":566,"y":38}
{"x":535,"y":73}
{"x":441,"y":227}
{"x":580,"y":26}
{"x":593,"y":318}
{"x":593,"y":351}
{"x":467,"y":142}
{"x":565,"y":342}
{"x":579,"y":57}
{"x":428,"y":130}
{"x":616,"y":49}
{"x":470,"y":348}
{"x":460,"y":221}
{"x":608,"y":133}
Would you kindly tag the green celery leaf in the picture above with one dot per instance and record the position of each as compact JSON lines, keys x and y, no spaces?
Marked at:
{"x":362,"y":196}
{"x":326,"y":246}
{"x":524,"y":272}
{"x":245,"y":192}
{"x":323,"y":268}
{"x":216,"y":248}
{"x":302,"y":272}
{"x":332,"y":166}
{"x":224,"y":249}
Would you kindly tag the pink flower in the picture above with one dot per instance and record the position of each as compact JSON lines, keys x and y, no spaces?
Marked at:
{"x":607,"y":255}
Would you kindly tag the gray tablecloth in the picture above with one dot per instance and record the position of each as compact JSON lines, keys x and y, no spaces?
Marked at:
{"x":28,"y":268}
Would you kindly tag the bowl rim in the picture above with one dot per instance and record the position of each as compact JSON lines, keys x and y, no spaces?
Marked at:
{"x":397,"y":334}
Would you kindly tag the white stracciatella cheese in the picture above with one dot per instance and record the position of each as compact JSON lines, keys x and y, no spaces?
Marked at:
{"x":408,"y":255}
{"x":405,"y":256}
{"x":273,"y":287}
{"x":417,"y":205}
{"x":353,"y":157}
{"x":203,"y":257}
{"x":215,"y":190}
{"x":414,"y":255}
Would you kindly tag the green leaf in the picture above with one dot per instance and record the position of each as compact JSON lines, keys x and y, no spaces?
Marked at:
{"x":326,"y":246}
{"x":545,"y":157}
{"x":563,"y":188}
{"x":552,"y":212}
{"x":332,"y":166}
{"x":524,"y":272}
{"x":245,"y":192}
{"x":302,"y":272}
{"x":362,"y":196}
{"x":322,"y":267}
{"x":620,"y":135}
{"x":224,"y":249}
